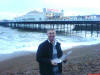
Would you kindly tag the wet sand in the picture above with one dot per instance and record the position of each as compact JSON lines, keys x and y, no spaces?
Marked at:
{"x":83,"y":60}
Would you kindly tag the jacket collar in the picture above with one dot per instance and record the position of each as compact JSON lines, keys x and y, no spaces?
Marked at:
{"x":55,"y":42}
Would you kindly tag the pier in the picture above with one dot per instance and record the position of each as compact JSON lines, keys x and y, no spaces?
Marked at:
{"x":66,"y":27}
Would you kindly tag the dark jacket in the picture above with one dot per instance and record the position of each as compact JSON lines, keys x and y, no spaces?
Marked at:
{"x":44,"y":57}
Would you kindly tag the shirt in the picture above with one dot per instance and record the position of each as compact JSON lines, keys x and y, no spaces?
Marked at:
{"x":54,"y":56}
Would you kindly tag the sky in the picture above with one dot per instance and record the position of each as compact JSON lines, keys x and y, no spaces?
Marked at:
{"x":14,"y":8}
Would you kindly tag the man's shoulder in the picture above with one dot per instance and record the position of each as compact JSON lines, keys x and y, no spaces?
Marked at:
{"x":58,"y":43}
{"x":44,"y":43}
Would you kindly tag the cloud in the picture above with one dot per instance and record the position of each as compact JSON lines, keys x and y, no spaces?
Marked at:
{"x":9,"y":15}
{"x":73,"y":3}
{"x":12,"y":8}
{"x":75,"y":7}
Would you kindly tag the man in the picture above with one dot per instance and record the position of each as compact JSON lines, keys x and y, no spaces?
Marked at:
{"x":47,"y":51}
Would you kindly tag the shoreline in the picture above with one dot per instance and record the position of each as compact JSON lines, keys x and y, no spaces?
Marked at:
{"x":24,"y":53}
{"x":4,"y":57}
{"x":83,"y":60}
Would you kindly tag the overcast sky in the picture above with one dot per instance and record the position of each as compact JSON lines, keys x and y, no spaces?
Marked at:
{"x":13,"y":8}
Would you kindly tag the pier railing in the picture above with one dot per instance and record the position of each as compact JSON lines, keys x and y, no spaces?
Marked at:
{"x":67,"y":27}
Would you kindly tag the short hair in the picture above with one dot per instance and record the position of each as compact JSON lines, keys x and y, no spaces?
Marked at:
{"x":51,"y":30}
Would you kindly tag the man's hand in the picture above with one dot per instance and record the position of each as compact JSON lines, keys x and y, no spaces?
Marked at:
{"x":65,"y":60}
{"x":53,"y":63}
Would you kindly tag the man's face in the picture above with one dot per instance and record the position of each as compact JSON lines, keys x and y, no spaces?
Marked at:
{"x":51,"y":35}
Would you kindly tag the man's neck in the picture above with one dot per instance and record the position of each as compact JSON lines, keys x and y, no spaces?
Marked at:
{"x":51,"y":41}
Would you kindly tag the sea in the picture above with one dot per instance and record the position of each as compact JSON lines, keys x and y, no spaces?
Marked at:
{"x":16,"y":41}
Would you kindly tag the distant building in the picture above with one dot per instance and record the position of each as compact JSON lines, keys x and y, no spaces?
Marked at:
{"x":53,"y":14}
{"x":83,"y":17}
{"x":47,"y":14}
{"x":31,"y":16}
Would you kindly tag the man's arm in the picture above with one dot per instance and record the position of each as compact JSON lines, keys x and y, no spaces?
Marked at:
{"x":40,"y":56}
{"x":62,"y":55}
